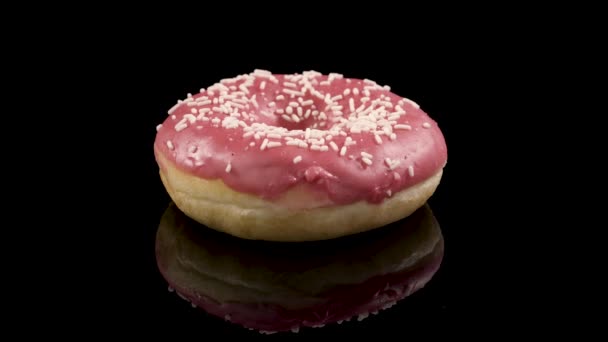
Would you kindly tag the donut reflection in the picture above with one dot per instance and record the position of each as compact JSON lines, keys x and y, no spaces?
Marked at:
{"x":272,"y":287}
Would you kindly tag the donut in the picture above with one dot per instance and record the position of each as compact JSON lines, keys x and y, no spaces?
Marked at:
{"x":298,"y":157}
{"x":282,"y":286}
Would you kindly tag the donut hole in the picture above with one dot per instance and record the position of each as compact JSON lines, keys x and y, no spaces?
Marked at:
{"x":302,"y":113}
{"x":301,"y":125}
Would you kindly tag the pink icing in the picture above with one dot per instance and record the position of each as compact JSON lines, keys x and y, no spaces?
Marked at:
{"x":213,"y":140}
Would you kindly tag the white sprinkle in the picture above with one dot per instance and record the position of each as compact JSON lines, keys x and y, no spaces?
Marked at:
{"x":273,"y":144}
{"x":289,"y":110}
{"x":243,"y":88}
{"x":170,"y":145}
{"x":378,"y":139}
{"x":366,"y":155}
{"x":290,"y":85}
{"x":315,"y":147}
{"x":317,"y":94}
{"x":406,"y":127}
{"x":393,"y":164}
{"x":351,"y":104}
{"x":396,"y":176}
{"x":191,"y":118}
{"x":253,"y":100}
{"x":346,"y":91}
{"x":256,"y":136}
{"x":252,"y":143}
{"x":362,"y":316}
{"x":286,"y":118}
{"x":293,"y":104}
{"x":410,"y":170}
{"x":237,"y":105}
{"x":364,"y":99}
{"x":411,"y":102}
{"x":336,"y":98}
{"x":158,"y":127}
{"x":280,"y":97}
{"x":262,"y":85}
{"x":262,"y":72}
{"x":366,"y":92}
{"x":300,"y":111}
{"x":324,"y":148}
{"x":426,"y":125}
{"x":307,"y":134}
{"x":264,"y":143}
{"x":343,"y":151}
{"x":303,"y":145}
{"x":279,"y":111}
{"x":181,"y":126}
{"x":297,"y":159}
{"x":307,"y":102}
{"x":215,"y":100}
{"x":271,"y":104}
{"x":204,"y":103}
{"x":336,"y":108}
{"x":273,"y":136}
{"x":334,"y":146}
{"x":292,"y":92}
{"x":173,"y":109}
{"x":295,"y":118}
{"x":228,"y":167}
{"x":329,"y":137}
{"x":393,"y":136}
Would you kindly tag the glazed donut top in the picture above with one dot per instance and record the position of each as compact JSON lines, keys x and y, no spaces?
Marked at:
{"x":263,"y":133}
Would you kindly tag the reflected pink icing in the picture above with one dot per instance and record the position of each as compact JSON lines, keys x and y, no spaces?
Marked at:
{"x":231,"y":132}
{"x":340,"y":303}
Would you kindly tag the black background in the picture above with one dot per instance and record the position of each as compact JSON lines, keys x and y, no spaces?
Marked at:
{"x":93,"y":85}
{"x":441,"y":87}
{"x":131,"y":81}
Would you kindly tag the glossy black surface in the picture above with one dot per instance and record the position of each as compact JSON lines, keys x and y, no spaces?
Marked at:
{"x":126,"y":279}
